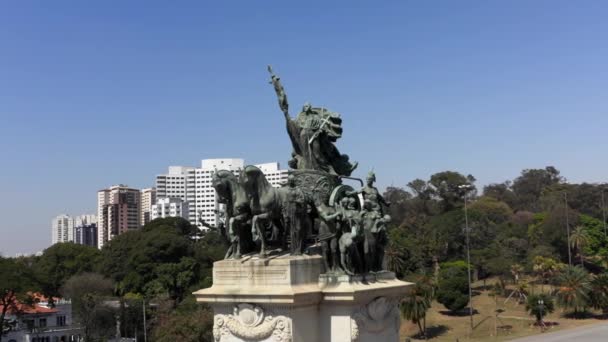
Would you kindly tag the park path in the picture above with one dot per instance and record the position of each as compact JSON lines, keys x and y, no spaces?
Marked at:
{"x":590,"y":333}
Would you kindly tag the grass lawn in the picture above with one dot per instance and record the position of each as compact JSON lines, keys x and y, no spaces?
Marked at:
{"x":513,"y":322}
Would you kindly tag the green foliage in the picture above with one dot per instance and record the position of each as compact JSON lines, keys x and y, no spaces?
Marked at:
{"x":535,"y":309}
{"x":573,"y":288}
{"x":578,"y":240}
{"x":597,"y":242}
{"x":529,"y":186}
{"x":598,"y":294}
{"x":190,"y":322}
{"x":418,"y":301}
{"x":546,"y":267}
{"x":60,"y":262}
{"x":447,"y":185}
{"x":137,"y":260}
{"x":89,"y":293}
{"x":453,"y":288}
{"x":16,"y":280}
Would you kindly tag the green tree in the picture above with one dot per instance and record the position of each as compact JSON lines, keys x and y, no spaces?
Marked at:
{"x":448,"y":186}
{"x":60,"y":262}
{"x":16,"y":281}
{"x":135,"y":259}
{"x":546,"y":268}
{"x":177,"y":277}
{"x":529,"y":186}
{"x":501,"y":192}
{"x":573,"y":289}
{"x":89,"y":293}
{"x":190,"y":322}
{"x":598,"y":294}
{"x":536,"y":309}
{"x":578,"y":240}
{"x":415,"y":305}
{"x":453,"y":288}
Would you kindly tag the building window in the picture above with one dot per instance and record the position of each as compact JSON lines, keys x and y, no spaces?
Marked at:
{"x":61,"y":321}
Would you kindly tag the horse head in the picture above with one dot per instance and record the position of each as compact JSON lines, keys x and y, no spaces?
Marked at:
{"x":254,"y":181}
{"x":224,"y":181}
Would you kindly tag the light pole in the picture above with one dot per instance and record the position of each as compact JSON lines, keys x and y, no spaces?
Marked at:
{"x":144,"y":312}
{"x":541,"y":308}
{"x":567,"y":229}
{"x":604,"y":212}
{"x":466,"y":188}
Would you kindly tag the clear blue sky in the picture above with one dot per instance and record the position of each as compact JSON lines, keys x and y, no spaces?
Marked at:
{"x":98,"y":93}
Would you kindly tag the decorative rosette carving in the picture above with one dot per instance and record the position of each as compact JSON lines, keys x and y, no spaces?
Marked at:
{"x":377,"y":316}
{"x":251,"y":323}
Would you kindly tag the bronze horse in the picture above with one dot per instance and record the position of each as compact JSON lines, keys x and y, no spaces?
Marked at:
{"x":266,"y":204}
{"x":231,"y":193}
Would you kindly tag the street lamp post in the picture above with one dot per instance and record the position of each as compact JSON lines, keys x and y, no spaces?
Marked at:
{"x":541,"y":308}
{"x":466,"y":188}
{"x":567,"y":229}
{"x":604,"y":212}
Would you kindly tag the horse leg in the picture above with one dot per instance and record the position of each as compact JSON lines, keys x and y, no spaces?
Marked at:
{"x":256,"y":227}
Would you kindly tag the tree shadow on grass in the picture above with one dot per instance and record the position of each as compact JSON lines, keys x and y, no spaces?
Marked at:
{"x":460,"y":313}
{"x":579,"y":315}
{"x":432,"y":332}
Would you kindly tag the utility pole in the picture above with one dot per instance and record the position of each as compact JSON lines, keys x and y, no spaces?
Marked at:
{"x":567,"y":228}
{"x":604,"y":212}
{"x":144,"y":312}
{"x":466,"y":188}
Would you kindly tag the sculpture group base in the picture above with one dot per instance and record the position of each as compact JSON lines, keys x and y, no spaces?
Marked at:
{"x":287,"y":298}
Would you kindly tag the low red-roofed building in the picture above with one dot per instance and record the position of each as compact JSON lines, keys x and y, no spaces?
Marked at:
{"x":41,"y":323}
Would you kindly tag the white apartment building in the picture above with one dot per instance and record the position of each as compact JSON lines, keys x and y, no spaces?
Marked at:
{"x":118,"y":211}
{"x":169,"y":207}
{"x":148,"y":199}
{"x":84,"y":220}
{"x":64,"y":226}
{"x":193,"y":185}
{"x":62,"y":229}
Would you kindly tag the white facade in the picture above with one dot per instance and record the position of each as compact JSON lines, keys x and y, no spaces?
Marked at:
{"x":148,"y":199}
{"x":41,"y":323}
{"x":170,"y":207}
{"x":62,"y":229}
{"x":193,"y":185}
{"x":63,"y":226}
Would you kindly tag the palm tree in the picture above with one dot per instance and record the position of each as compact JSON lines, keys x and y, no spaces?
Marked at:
{"x":415,"y":305}
{"x":578,"y":240}
{"x":574,"y":284}
{"x":516,"y":271}
{"x":546,"y":268}
{"x":395,"y":259}
{"x":535,"y":309}
{"x":598,"y":296}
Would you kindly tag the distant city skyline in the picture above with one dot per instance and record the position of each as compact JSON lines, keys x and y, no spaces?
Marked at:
{"x":107,"y":93}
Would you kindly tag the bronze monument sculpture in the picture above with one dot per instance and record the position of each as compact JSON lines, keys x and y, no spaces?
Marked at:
{"x":315,"y":212}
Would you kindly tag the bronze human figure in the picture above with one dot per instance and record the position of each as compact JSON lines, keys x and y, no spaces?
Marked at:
{"x":313,"y":134}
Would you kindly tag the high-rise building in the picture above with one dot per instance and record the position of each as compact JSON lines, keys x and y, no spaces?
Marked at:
{"x":193,"y":185}
{"x":83,"y":220}
{"x":86,"y":234}
{"x":170,"y":207}
{"x":62,"y":229}
{"x":64,"y":226}
{"x":118,"y":211}
{"x":148,"y":199}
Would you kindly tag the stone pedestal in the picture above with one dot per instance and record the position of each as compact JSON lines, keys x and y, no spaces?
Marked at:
{"x":286,"y":298}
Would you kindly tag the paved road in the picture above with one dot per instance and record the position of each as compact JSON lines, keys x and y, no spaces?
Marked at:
{"x":592,"y":333}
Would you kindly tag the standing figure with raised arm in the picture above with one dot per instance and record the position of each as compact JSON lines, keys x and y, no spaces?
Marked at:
{"x":313,"y":133}
{"x":370,"y":193}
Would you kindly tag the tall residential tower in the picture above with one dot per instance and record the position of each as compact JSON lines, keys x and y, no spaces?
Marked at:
{"x":118,"y":210}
